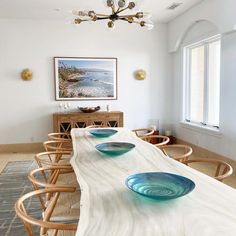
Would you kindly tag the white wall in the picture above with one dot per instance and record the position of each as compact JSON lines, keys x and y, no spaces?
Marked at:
{"x":219,"y":12}
{"x":26,"y":107}
{"x":223,"y":144}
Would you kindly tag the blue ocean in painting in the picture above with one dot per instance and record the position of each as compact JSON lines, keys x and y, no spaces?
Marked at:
{"x":86,"y":79}
{"x":93,"y":84}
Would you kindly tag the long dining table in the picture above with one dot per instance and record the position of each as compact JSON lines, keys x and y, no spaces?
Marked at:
{"x":109,"y":208}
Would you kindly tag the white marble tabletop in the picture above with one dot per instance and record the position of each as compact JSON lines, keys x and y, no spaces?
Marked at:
{"x":109,"y":208}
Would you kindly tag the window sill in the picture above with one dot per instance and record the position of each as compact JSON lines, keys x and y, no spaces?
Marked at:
{"x":201,"y":129}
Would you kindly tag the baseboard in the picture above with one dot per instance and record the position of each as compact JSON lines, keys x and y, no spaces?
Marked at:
{"x":21,"y":148}
{"x":199,"y":152}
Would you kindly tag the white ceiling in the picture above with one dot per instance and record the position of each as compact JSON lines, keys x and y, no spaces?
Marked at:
{"x":59,"y":9}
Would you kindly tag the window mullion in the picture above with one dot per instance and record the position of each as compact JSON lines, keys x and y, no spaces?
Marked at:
{"x":189,"y":58}
{"x":206,"y":83}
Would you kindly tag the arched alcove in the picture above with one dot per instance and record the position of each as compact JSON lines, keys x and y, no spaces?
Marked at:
{"x":196,"y":31}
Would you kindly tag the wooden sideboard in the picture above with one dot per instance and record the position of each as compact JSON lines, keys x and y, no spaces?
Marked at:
{"x":64,"y":122}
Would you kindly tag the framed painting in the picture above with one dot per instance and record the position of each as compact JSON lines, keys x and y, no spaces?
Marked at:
{"x":80,"y":78}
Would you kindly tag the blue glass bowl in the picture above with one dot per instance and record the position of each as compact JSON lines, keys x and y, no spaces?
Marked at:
{"x":160,"y":185}
{"x":114,"y":148}
{"x":102,"y":133}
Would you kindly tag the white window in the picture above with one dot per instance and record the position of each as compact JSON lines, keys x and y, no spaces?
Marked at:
{"x":202,"y":82}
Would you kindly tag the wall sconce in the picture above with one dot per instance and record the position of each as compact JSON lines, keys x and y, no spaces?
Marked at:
{"x":26,"y":74}
{"x":140,"y":74}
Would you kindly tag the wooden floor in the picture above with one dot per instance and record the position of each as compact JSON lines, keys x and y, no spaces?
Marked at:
{"x":6,"y":157}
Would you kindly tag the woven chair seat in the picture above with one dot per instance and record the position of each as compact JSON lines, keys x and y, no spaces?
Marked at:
{"x":67,"y":179}
{"x":67,"y":208}
{"x":62,"y":233}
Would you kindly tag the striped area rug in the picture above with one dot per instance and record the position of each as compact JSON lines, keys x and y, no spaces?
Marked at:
{"x":14,"y":183}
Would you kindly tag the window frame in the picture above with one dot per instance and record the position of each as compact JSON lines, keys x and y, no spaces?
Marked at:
{"x":187,"y":82}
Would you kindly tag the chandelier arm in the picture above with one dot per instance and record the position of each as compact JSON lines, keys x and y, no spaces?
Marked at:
{"x":121,"y":10}
{"x":126,"y":16}
{"x":103,"y":18}
{"x":86,"y":20}
{"x":98,"y":14}
{"x":113,"y":9}
{"x":124,"y":19}
{"x":80,"y":21}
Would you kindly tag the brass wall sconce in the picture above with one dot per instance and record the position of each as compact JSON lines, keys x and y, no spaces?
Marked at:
{"x":26,"y":74}
{"x":140,"y":74}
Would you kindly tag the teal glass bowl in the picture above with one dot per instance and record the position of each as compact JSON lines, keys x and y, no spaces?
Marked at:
{"x":115,"y":148}
{"x":160,"y":185}
{"x":102,"y":133}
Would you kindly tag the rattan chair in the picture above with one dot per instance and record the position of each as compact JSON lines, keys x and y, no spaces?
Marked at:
{"x":143,"y":132}
{"x":178,"y":152}
{"x":46,"y":225}
{"x":222,"y":169}
{"x":59,"y":136}
{"x":58,"y":145}
{"x":68,"y":205}
{"x":160,"y":140}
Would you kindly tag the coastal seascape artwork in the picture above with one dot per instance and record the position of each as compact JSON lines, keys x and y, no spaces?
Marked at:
{"x":85,"y":78}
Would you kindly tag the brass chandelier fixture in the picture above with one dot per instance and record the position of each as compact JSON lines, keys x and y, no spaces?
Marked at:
{"x":117,"y":8}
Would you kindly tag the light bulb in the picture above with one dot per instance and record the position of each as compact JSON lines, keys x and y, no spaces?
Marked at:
{"x":70,"y":20}
{"x":131,"y":5}
{"x":91,"y":14}
{"x":147,"y":15}
{"x":130,"y":19}
{"x":149,"y":25}
{"x":139,"y":15}
{"x":77,"y":21}
{"x":110,"y":24}
{"x":74,"y":12}
{"x":138,"y":4}
{"x":109,"y":3}
{"x":121,"y":3}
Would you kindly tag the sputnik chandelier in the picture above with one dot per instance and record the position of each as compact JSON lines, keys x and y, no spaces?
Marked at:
{"x":117,"y":9}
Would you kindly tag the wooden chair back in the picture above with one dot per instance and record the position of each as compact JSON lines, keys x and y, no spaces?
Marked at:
{"x":44,"y":224}
{"x":47,"y":177}
{"x":59,"y":136}
{"x":143,"y":132}
{"x":178,"y":152}
{"x":222,"y":169}
{"x":58,"y":145}
{"x":97,"y":126}
{"x":55,"y":158}
{"x":159,"y":140}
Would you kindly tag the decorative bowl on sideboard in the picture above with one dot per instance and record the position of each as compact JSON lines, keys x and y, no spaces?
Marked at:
{"x":89,"y":109}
